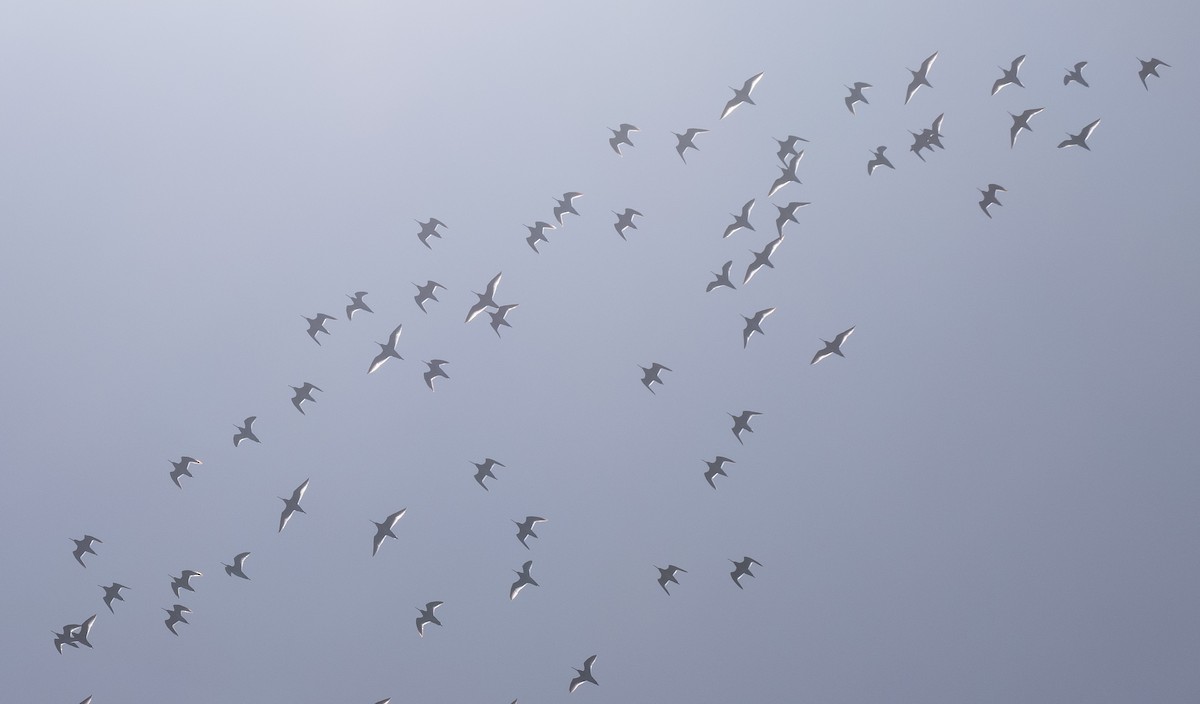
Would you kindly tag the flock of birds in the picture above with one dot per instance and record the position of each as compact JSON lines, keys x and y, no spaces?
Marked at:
{"x":74,"y":635}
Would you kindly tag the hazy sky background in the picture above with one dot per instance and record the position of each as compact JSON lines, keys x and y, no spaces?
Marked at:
{"x":992,"y":498}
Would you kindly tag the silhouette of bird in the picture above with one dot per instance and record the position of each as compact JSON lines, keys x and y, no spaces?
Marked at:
{"x":523,"y":580}
{"x":762,"y":259}
{"x":426,"y":293}
{"x":754,"y":324}
{"x":88,"y":700}
{"x":181,"y":469}
{"x":387,"y":350}
{"x":384,"y":530}
{"x":235,"y":570}
{"x":175,"y":615}
{"x":742,"y":568}
{"x":1021,"y":122}
{"x":1010,"y":75}
{"x":687,"y":141}
{"x":856,"y":95}
{"x":742,"y":422}
{"x":292,"y":505}
{"x":585,"y":675}
{"x":717,"y":466}
{"x":722,"y":278}
{"x":651,"y":374}
{"x":621,"y":136}
{"x":667,"y":574}
{"x":566,"y":205}
{"x":245,"y":432}
{"x":834,"y":347}
{"x":740,"y":221}
{"x":788,"y":174}
{"x":427,"y":617}
{"x":787,"y":213}
{"x":356,"y":304}
{"x":84,"y":545}
{"x":484,"y":469}
{"x":537,"y":233}
{"x":920,"y":77}
{"x":1076,"y":74}
{"x":989,"y":197}
{"x":625,"y":221}
{"x":879,"y":160}
{"x":525,"y":528}
{"x":429,"y":229}
{"x":499,"y":317}
{"x":112,"y":591}
{"x":741,"y":95}
{"x":486,"y":299}
{"x":1150,"y":68}
{"x":303,"y":393}
{"x":1079,"y":140}
{"x":65,"y":637}
{"x":435,"y":370}
{"x":79,"y":631}
{"x":787,"y":148}
{"x":317,"y":324}
{"x":184,"y":581}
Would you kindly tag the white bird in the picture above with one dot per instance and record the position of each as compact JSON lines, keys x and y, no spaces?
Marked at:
{"x":834,"y":347}
{"x":175,"y":615}
{"x":429,"y":229}
{"x":754,"y":324}
{"x":384,"y":530}
{"x":717,"y":466}
{"x":787,"y":147}
{"x":762,"y":259}
{"x":486,"y":299}
{"x":84,"y":545}
{"x":525,"y":528}
{"x":788,"y":174}
{"x":566,"y":205}
{"x":317,"y":324}
{"x":989,"y":197}
{"x":184,"y":581}
{"x":856,"y":95}
{"x":920,"y":77}
{"x":722,"y":278}
{"x":1010,"y":75}
{"x":235,"y":570}
{"x":667,"y":574}
{"x":625,"y":221}
{"x":1021,"y":122}
{"x":687,"y":141}
{"x":1079,"y":140}
{"x":427,"y":617}
{"x":1150,"y":68}
{"x":651,"y":374}
{"x":537,"y":233}
{"x":387,"y":350}
{"x":499,"y":317}
{"x":303,"y":393}
{"x":426,"y":293}
{"x":1076,"y":74}
{"x":787,"y":213}
{"x":741,"y":95}
{"x":585,"y":675}
{"x":111,"y":592}
{"x":292,"y":505}
{"x":742,"y":568}
{"x":181,"y":469}
{"x":484,"y":469}
{"x":356,"y":304}
{"x":879,"y":160}
{"x":435,"y":371}
{"x":245,"y":432}
{"x":621,"y":136}
{"x":741,"y":220}
{"x":742,"y":422}
{"x":523,"y":580}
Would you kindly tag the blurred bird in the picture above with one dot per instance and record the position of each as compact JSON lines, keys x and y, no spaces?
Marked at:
{"x":235,"y":570}
{"x":499,"y":317}
{"x":244,"y":431}
{"x":742,"y":422}
{"x":427,"y":617}
{"x":486,"y":299}
{"x":525,"y":528}
{"x":856,"y":95}
{"x":787,"y":213}
{"x":537,"y":233}
{"x":585,"y":675}
{"x":181,"y":469}
{"x":788,"y":174}
{"x":920,"y":77}
{"x":566,"y":205}
{"x":722,"y":278}
{"x":740,"y":221}
{"x":387,"y":350}
{"x":989,"y":197}
{"x":651,"y":374}
{"x":625,"y":221}
{"x":1021,"y":122}
{"x":356,"y":304}
{"x":184,"y":581}
{"x":1150,"y":68}
{"x":1079,"y":140}
{"x":303,"y":393}
{"x":484,"y":469}
{"x":834,"y":347}
{"x":754,"y":324}
{"x":667,"y":574}
{"x":762,"y":259}
{"x":787,"y":148}
{"x":879,"y":160}
{"x":1010,"y":75}
{"x":1076,"y":74}
{"x":111,"y":592}
{"x":621,"y":136}
{"x":384,"y":530}
{"x":317,"y":324}
{"x":717,"y":466}
{"x":435,"y":371}
{"x":292,"y":505}
{"x":742,"y":95}
{"x":429,"y":229}
{"x":687,"y":141}
{"x":175,"y":615}
{"x":523,"y":580}
{"x":426,"y":293}
{"x":84,"y":545}
{"x":742,"y":568}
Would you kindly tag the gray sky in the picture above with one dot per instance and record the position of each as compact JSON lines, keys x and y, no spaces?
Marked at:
{"x":992,"y":498}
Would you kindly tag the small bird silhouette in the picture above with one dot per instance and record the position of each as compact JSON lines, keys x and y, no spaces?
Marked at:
{"x":356,"y":304}
{"x":245,"y":432}
{"x":523,"y":580}
{"x":1079,"y":140}
{"x":1010,"y":75}
{"x":426,"y":293}
{"x":625,"y":221}
{"x":303,"y":393}
{"x":435,"y":371}
{"x":722,"y":278}
{"x":566,"y":205}
{"x":184,"y":581}
{"x":1076,"y":74}
{"x":754,"y":325}
{"x":741,"y":95}
{"x":717,"y":466}
{"x":667,"y":574}
{"x":181,"y":469}
{"x":621,"y":136}
{"x":387,"y":350}
{"x":111,"y":592}
{"x":879,"y":160}
{"x":742,"y":568}
{"x":856,"y":95}
{"x":384,"y":530}
{"x":585,"y":675}
{"x":175,"y":615}
{"x":920,"y":77}
{"x":525,"y":528}
{"x":834,"y":347}
{"x":484,"y":469}
{"x":1021,"y":122}
{"x":1150,"y":68}
{"x":687,"y":141}
{"x":742,"y":422}
{"x":429,"y":229}
{"x":84,"y":545}
{"x":292,"y":504}
{"x":741,"y":220}
{"x":989,"y":197}
{"x":499,"y":317}
{"x":650,"y":374}
{"x":317,"y":324}
{"x":427,"y":617}
{"x":235,"y":570}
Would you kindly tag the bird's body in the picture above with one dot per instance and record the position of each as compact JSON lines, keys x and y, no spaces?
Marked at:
{"x":113,"y":592}
{"x":920,"y":77}
{"x":621,"y":136}
{"x":1150,"y":68}
{"x":1076,"y":74}
{"x":788,"y":174}
{"x":856,"y":95}
{"x":487,"y":299}
{"x":625,"y":221}
{"x":317,"y":324}
{"x":762,"y":259}
{"x":879,"y":160}
{"x":499,"y":317}
{"x":741,"y":220}
{"x":175,"y":615}
{"x":722,"y":278}
{"x":584,"y":675}
{"x":717,"y":466}
{"x":184,"y":581}
{"x":523,"y":580}
{"x":427,"y":617}
{"x":181,"y":469}
{"x":537,"y":233}
{"x":1079,"y":140}
{"x":741,"y":95}
{"x":741,"y":568}
{"x":650,"y":374}
{"x":244,"y":431}
{"x":291,"y":504}
{"x":1021,"y":122}
{"x":566,"y":205}
{"x":303,"y":393}
{"x":387,"y":350}
{"x":787,"y":213}
{"x":356,"y":304}
{"x":834,"y":347}
{"x":484,"y":469}
{"x":687,"y":141}
{"x":754,"y":325}
{"x":667,"y":574}
{"x":82,"y":546}
{"x":435,"y":370}
{"x":384,"y":530}
{"x":742,"y":422}
{"x":429,"y":229}
{"x":525,"y":528}
{"x":426,"y":293}
{"x":989,"y":198}
{"x":1010,"y":75}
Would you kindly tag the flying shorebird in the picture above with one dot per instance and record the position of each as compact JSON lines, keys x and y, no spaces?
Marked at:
{"x":245,"y":432}
{"x":525,"y":528}
{"x":740,"y":221}
{"x":834,"y":347}
{"x":722,"y":278}
{"x":989,"y":197}
{"x":181,"y":469}
{"x":920,"y":77}
{"x":856,"y":95}
{"x":175,"y":615}
{"x":356,"y":304}
{"x":788,"y":174}
{"x":429,"y":229}
{"x":112,"y":591}
{"x":1021,"y":122}
{"x":879,"y":160}
{"x":499,"y":317}
{"x":742,"y":422}
{"x":80,"y":631}
{"x":384,"y":530}
{"x":292,"y":505}
{"x":426,"y":293}
{"x":787,"y":148}
{"x":762,"y":259}
{"x":625,"y":221}
{"x":754,"y":324}
{"x":427,"y":617}
{"x":486,"y":299}
{"x":667,"y":574}
{"x":435,"y":370}
{"x":537,"y":233}
{"x":934,"y":133}
{"x":650,"y":374}
{"x":1010,"y":75}
{"x":84,"y":545}
{"x":317,"y":324}
{"x":687,"y":141}
{"x":183,"y":581}
{"x":741,"y":96}
{"x":303,"y":393}
{"x":566,"y":205}
{"x":65,"y":637}
{"x":87,"y":700}
{"x":1150,"y":68}
{"x":787,"y":213}
{"x":717,"y":466}
{"x":484,"y":469}
{"x":1076,"y":75}
{"x":523,"y":579}
{"x":235,"y":570}
{"x":585,"y":675}
{"x":387,"y":350}
{"x":621,"y":136}
{"x":1079,"y":140}
{"x":742,"y":567}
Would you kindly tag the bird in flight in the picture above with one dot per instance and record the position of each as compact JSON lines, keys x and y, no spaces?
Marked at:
{"x":1150,"y":68}
{"x":317,"y":324}
{"x":537,"y":233}
{"x":111,"y":592}
{"x":625,"y":221}
{"x":741,"y":220}
{"x":856,"y":95}
{"x":79,"y":631}
{"x":989,"y":198}
{"x":426,"y":293}
{"x":245,"y":432}
{"x":717,"y":466}
{"x":525,"y":528}
{"x":292,"y":505}
{"x":499,"y":317}
{"x":429,"y":229}
{"x":487,"y":299}
{"x":1076,"y":74}
{"x":920,"y":77}
{"x":834,"y":347}
{"x":435,"y":371}
{"x":742,"y":422}
{"x":1021,"y":122}
{"x":175,"y":615}
{"x":754,"y":324}
{"x":787,"y":148}
{"x":585,"y":675}
{"x":650,"y":374}
{"x":523,"y":580}
{"x":1079,"y":140}
{"x":621,"y":136}
{"x":742,"y":568}
{"x":762,"y":259}
{"x":1010,"y":75}
{"x":66,"y":637}
{"x":788,"y":174}
{"x":84,"y":545}
{"x":387,"y":350}
{"x":356,"y":304}
{"x":484,"y":469}
{"x":687,"y":141}
{"x":566,"y":205}
{"x":787,"y":213}
{"x":235,"y":570}
{"x":384,"y":530}
{"x":427,"y":617}
{"x":667,"y":574}
{"x":722,"y":278}
{"x":184,"y":581}
{"x":879,"y":160}
{"x":741,"y":95}
{"x":303,"y":393}
{"x":181,"y":469}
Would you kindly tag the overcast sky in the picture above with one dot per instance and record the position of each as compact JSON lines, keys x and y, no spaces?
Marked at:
{"x":991,"y":498}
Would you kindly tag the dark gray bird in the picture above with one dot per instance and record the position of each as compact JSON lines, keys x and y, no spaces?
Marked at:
{"x":650,"y":374}
{"x":1076,"y":74}
{"x":1150,"y":68}
{"x":499,"y":317}
{"x":66,"y":637}
{"x":621,"y":136}
{"x":585,"y":675}
{"x":762,"y":259}
{"x":435,"y":371}
{"x":1079,"y":140}
{"x":292,"y":504}
{"x":303,"y":393}
{"x":80,"y":631}
{"x":175,"y":615}
{"x":687,"y":141}
{"x":235,"y":570}
{"x":722,"y":278}
{"x":625,"y":221}
{"x":879,"y":160}
{"x":317,"y":324}
{"x":566,"y":205}
{"x":387,"y":350}
{"x":717,"y":466}
{"x":1021,"y":122}
{"x":487,"y":299}
{"x":525,"y":528}
{"x":537,"y":233}
{"x":742,"y":422}
{"x":740,"y":221}
{"x":1010,"y":75}
{"x":111,"y":592}
{"x":989,"y":197}
{"x":429,"y":229}
{"x":787,"y":148}
{"x":181,"y":469}
{"x":384,"y":530}
{"x":484,"y":469}
{"x":741,"y":95}
{"x":856,"y":95}
{"x":788,"y":174}
{"x":742,"y":568}
{"x":920,"y":77}
{"x":184,"y":581}
{"x":356,"y":304}
{"x":84,"y":545}
{"x":523,"y":580}
{"x":667,"y":574}
{"x":245,"y":432}
{"x":427,"y":617}
{"x":426,"y":293}
{"x":834,"y":347}
{"x":754,"y":324}
{"x":787,"y":213}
